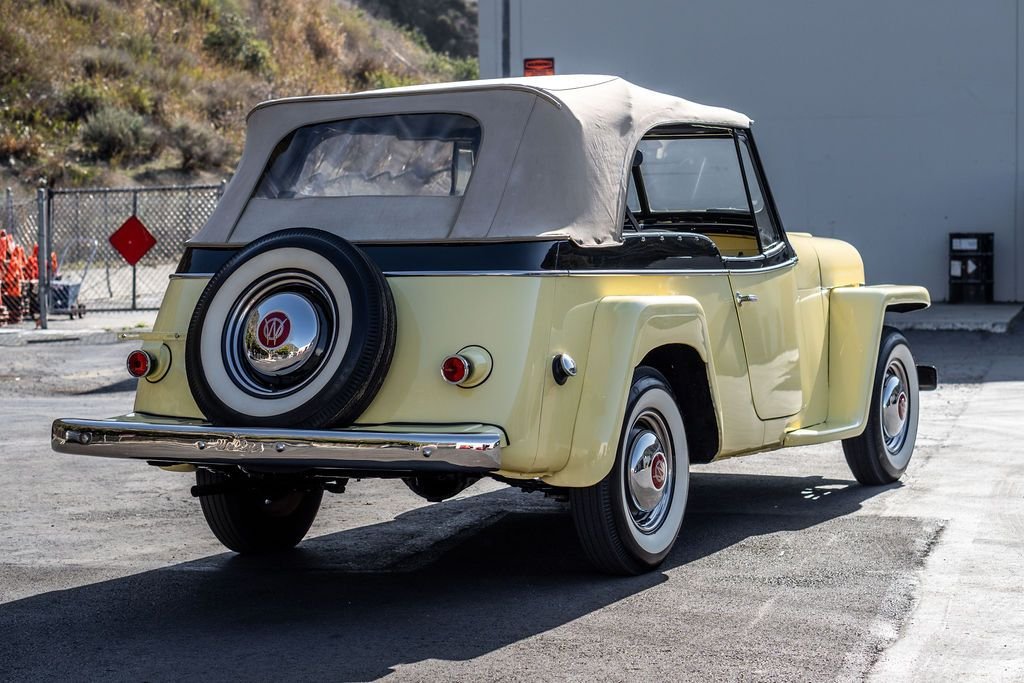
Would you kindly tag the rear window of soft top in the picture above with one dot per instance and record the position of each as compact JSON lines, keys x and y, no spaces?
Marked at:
{"x":395,"y":155}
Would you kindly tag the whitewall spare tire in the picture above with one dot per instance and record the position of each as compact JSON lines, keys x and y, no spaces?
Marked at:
{"x":296,"y":330}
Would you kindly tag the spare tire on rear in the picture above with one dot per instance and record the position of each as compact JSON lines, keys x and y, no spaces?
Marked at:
{"x":296,"y":330}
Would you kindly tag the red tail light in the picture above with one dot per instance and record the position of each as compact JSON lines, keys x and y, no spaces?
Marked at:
{"x":139,"y":363}
{"x":455,"y":369}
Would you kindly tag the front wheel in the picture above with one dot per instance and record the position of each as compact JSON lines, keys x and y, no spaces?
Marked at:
{"x":628,"y":522}
{"x":265,"y":520}
{"x":880,"y":455}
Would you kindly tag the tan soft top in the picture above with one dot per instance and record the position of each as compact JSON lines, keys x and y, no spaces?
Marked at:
{"x":553,"y":162}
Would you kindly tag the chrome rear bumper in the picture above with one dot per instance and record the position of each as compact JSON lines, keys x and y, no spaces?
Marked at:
{"x":197,"y":443}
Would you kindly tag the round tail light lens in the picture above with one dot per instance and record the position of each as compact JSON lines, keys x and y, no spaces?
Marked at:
{"x":455,"y":369}
{"x":139,"y":363}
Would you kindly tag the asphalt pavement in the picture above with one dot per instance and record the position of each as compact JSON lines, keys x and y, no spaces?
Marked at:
{"x":786,"y":568}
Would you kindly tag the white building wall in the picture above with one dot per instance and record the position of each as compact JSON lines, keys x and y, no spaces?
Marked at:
{"x":886,"y":124}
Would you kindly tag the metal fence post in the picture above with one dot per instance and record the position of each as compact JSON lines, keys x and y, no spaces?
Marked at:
{"x":43,"y":257}
{"x":12,"y":228}
{"x":135,"y":212}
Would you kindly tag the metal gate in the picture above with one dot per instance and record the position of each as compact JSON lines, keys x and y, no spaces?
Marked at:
{"x":79,"y":223}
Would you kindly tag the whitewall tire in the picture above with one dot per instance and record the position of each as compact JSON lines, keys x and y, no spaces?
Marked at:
{"x":296,"y":329}
{"x":628,"y":522}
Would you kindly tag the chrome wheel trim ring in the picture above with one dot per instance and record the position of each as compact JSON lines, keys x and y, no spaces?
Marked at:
{"x":895,"y":406}
{"x":649,"y":471}
{"x":290,"y":369}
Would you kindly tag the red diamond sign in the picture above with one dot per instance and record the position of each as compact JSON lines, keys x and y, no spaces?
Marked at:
{"x":132,"y":240}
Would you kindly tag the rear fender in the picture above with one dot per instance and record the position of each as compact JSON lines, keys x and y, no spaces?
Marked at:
{"x":626,"y":328}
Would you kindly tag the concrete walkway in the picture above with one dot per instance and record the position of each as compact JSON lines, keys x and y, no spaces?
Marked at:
{"x":970,"y":612}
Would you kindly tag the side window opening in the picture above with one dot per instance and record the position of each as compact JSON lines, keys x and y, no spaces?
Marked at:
{"x":693,"y":182}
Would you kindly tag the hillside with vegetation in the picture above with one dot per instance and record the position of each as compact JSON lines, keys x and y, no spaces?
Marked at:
{"x":143,"y":92}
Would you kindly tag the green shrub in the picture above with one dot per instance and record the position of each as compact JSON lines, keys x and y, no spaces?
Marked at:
{"x":200,"y":145}
{"x":232,"y":42}
{"x":91,"y":10}
{"x":455,"y":68}
{"x":139,"y":45}
{"x":102,"y":61}
{"x":202,"y":9}
{"x":140,"y":99}
{"x":79,"y":101}
{"x":114,"y":134}
{"x":384,"y":78}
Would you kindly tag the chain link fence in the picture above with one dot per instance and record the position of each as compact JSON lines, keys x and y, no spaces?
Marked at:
{"x":91,"y":275}
{"x":91,"y":272}
{"x":20,"y":220}
{"x":19,"y":231}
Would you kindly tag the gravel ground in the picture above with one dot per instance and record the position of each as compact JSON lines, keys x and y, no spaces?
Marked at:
{"x":786,"y":570}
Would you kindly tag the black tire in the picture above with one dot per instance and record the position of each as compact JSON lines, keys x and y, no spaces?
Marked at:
{"x":878,"y":457}
{"x":609,"y":532}
{"x":338,"y":383}
{"x":245,"y":522}
{"x":438,"y":487}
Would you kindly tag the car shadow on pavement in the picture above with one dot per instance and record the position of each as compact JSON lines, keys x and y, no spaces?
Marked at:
{"x":301,"y":615}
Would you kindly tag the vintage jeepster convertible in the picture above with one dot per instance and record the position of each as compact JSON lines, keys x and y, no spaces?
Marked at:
{"x":567,"y":283}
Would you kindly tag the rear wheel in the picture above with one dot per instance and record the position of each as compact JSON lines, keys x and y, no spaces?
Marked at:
{"x":880,"y":455}
{"x":259,"y":520}
{"x":628,"y":522}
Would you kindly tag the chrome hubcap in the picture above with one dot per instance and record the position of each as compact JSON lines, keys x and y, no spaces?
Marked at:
{"x":649,"y":474}
{"x":895,"y":406}
{"x":278,"y":334}
{"x":281,"y":333}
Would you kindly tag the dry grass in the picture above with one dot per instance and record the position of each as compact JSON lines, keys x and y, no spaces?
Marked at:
{"x":202,"y":61}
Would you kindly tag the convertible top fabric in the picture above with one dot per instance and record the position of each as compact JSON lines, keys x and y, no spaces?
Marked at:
{"x":553,"y":162}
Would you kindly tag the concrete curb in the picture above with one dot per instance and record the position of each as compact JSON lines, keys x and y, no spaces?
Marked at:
{"x":101,"y":328}
{"x":82,"y":336}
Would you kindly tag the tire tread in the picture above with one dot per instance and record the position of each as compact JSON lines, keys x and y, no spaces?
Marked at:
{"x":239,"y":528}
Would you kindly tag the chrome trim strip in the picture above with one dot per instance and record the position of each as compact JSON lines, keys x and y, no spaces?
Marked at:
{"x":190,"y":276}
{"x":712,"y":271}
{"x":195,"y":442}
{"x":475,"y":273}
{"x":772,"y":251}
{"x":778,"y":266}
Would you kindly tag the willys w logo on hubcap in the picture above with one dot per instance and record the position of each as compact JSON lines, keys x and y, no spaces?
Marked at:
{"x":659,"y":470}
{"x":274,"y":329}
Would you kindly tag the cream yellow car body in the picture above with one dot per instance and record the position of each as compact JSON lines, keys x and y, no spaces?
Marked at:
{"x":811,"y":383}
